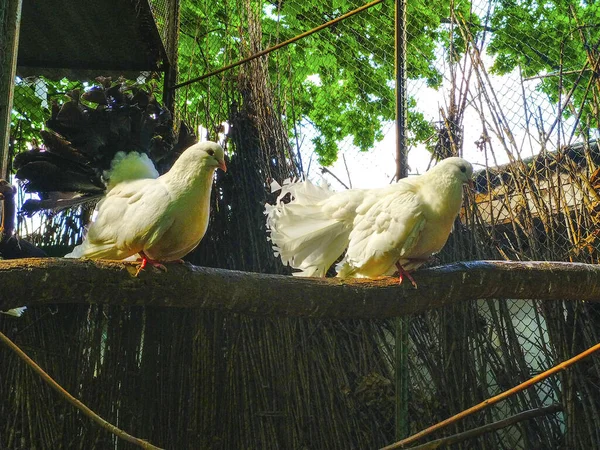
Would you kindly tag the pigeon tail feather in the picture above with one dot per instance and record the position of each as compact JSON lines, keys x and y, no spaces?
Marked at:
{"x":129,"y":166}
{"x":304,"y":234}
{"x":15,"y":312}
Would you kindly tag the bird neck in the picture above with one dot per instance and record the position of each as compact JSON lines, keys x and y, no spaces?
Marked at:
{"x":187,"y":182}
{"x":443,"y":191}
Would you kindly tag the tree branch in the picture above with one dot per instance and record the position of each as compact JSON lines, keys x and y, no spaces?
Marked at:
{"x":57,"y":280}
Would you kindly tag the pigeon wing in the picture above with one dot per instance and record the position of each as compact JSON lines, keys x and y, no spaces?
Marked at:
{"x":384,"y":233}
{"x":131,"y":217}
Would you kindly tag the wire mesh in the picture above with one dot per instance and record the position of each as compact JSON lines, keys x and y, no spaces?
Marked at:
{"x":506,"y":85}
{"x":33,"y":100}
{"x":165,"y":13}
{"x":516,"y":98}
{"x":511,"y":86}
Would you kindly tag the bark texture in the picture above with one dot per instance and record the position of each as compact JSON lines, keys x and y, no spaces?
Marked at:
{"x":56,"y":280}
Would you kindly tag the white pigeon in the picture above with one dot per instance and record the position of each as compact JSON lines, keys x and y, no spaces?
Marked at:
{"x":161,"y":218}
{"x":397,"y":227}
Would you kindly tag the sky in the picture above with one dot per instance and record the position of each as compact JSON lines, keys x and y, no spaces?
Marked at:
{"x":376,"y":167}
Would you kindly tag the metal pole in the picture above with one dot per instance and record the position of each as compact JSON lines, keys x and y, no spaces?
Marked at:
{"x":402,"y":324}
{"x":170,"y":65}
{"x":10,"y":23}
{"x":401,"y":100}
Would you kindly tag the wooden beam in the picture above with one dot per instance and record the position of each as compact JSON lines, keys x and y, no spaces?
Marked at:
{"x":10,"y":22}
{"x":39,"y":281}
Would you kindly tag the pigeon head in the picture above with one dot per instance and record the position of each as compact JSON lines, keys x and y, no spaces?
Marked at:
{"x":459,"y":168}
{"x":204,"y":154}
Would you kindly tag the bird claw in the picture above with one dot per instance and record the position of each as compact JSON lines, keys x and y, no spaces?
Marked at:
{"x":403,"y":273}
{"x":155,"y":264}
{"x":158,"y":266}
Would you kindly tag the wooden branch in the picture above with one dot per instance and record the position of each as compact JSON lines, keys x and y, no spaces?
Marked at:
{"x":75,"y":402}
{"x":57,"y":280}
{"x":494,"y":426}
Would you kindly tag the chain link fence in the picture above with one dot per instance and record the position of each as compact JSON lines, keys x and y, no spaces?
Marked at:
{"x":33,"y":100}
{"x":511,"y":86}
{"x":508,"y":85}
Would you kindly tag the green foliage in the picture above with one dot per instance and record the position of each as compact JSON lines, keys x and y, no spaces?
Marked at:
{"x":25,"y":118}
{"x":341,"y":79}
{"x":31,"y":103}
{"x":547,"y":37}
{"x":207,"y":41}
{"x":537,"y":36}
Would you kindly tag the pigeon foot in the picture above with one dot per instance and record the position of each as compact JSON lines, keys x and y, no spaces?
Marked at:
{"x":403,"y":273}
{"x":153,"y":263}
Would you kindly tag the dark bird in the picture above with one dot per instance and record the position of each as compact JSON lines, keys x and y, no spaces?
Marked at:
{"x":11,"y":247}
{"x":84,"y":136}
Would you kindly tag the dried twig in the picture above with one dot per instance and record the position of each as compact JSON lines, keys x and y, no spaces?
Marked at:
{"x":326,"y":170}
{"x":78,"y":404}
{"x":489,"y":427}
{"x":347,"y":171}
{"x":493,"y":400}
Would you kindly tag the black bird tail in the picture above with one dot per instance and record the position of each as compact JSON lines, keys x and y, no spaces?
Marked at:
{"x":85,"y":134}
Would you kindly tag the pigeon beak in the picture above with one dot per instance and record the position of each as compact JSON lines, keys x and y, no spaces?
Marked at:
{"x":471,"y":184}
{"x":222,"y":165}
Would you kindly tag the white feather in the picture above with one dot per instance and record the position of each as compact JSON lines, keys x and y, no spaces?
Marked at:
{"x":310,"y":232}
{"x":129,"y":166}
{"x":15,"y":312}
{"x":165,"y":217}
{"x":405,"y":222}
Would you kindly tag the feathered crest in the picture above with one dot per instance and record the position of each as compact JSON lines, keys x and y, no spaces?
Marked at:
{"x":85,"y":134}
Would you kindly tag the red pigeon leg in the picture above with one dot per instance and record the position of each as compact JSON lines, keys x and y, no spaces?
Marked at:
{"x":146,"y":261}
{"x":403,"y":273}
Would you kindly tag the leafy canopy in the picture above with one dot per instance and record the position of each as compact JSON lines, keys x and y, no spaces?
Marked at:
{"x":553,"y":37}
{"x":340,"y":80}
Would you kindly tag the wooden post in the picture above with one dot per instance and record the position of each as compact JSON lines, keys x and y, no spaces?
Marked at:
{"x":10,"y":22}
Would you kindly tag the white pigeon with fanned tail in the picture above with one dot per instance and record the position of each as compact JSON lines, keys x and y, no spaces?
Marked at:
{"x":161,"y":218}
{"x":397,"y":227}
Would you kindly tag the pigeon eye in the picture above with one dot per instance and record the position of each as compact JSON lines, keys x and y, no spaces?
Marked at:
{"x":463,"y":169}
{"x":212,"y":153}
